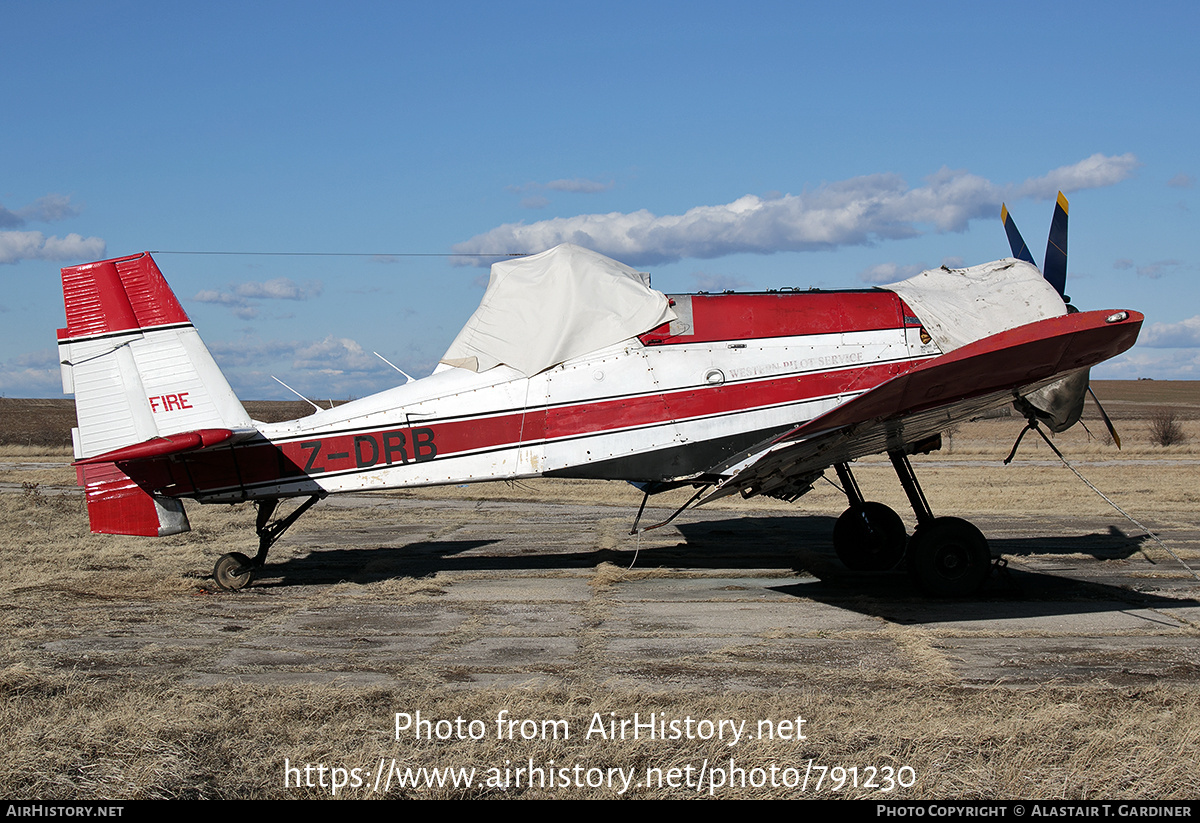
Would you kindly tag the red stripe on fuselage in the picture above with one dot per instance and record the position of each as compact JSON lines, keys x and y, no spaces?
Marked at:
{"x":256,"y":464}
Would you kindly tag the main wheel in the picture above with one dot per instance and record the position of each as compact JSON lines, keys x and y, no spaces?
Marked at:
{"x":869,"y":537}
{"x":949,"y":558}
{"x":232,"y":571}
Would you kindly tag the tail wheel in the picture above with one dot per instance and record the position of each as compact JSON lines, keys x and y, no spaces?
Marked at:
{"x":233,"y":571}
{"x":949,"y":557}
{"x":869,"y":537}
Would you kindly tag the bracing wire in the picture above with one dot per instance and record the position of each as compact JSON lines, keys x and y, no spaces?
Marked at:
{"x":1109,"y":501}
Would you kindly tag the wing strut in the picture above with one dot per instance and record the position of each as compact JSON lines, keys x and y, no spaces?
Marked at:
{"x":679,"y":511}
{"x":849,"y":484}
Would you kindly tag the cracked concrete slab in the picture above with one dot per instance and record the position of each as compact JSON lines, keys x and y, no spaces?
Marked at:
{"x":464,"y":595}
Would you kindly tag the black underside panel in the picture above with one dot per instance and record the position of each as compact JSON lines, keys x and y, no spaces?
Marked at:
{"x":666,"y":464}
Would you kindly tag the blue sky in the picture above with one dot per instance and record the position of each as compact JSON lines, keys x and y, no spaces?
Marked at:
{"x":767,"y":145}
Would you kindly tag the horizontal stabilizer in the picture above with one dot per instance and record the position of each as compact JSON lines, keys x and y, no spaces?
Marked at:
{"x":171,"y":444}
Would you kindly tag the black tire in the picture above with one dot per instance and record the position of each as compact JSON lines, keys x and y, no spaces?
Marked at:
{"x":949,"y":558}
{"x":869,"y":537}
{"x":232,"y":571}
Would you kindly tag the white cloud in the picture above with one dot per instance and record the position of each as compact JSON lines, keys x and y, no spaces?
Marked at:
{"x":337,"y":367}
{"x":1095,"y":172}
{"x":281,"y":288}
{"x":218,"y":297}
{"x":1158,"y":269}
{"x":705,"y":281}
{"x":16,"y":246}
{"x":894,"y":272}
{"x":858,"y":211}
{"x":1164,"y":351}
{"x":10,"y":219}
{"x":1184,"y":334}
{"x":33,"y":245}
{"x":49,"y":208}
{"x":336,"y":355}
{"x":579,"y":185}
{"x":250,"y":351}
{"x":1175,"y":364}
{"x":575,"y":185}
{"x":239,"y":295}
{"x":889,"y":273}
{"x":45,"y":209}
{"x":33,"y":374}
{"x":1182,"y":181}
{"x":1153,"y":270}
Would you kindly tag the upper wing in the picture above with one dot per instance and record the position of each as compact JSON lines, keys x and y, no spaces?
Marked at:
{"x":911,"y":407}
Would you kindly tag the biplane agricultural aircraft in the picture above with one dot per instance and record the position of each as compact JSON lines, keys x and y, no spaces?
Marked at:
{"x":573,"y":367}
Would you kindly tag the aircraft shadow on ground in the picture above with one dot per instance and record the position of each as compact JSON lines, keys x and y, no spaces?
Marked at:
{"x":1008,"y":592}
{"x":801,"y":544}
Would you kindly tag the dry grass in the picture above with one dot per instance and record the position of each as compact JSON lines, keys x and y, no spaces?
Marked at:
{"x":123,"y":733}
{"x":72,"y":737}
{"x":12,"y":451}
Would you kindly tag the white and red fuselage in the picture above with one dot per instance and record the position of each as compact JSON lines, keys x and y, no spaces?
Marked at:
{"x":691,"y":399}
{"x":657,"y":408}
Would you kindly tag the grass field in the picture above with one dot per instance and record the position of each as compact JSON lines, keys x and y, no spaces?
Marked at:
{"x":125,"y":674}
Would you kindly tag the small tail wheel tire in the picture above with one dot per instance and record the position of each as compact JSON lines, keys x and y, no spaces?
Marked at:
{"x":949,"y":558}
{"x":869,"y":537}
{"x":233,"y":571}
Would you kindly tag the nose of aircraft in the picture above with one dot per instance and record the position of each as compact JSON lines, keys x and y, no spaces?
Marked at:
{"x":1059,"y":405}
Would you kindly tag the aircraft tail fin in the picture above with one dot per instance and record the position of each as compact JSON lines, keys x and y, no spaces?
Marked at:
{"x":139,"y":373}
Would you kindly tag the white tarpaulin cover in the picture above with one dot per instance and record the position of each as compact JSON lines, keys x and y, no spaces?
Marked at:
{"x":959,"y":306}
{"x":541,"y":310}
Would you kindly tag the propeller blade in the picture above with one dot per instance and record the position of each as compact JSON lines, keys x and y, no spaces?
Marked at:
{"x":1015,"y":241}
{"x":1055,"y":269}
{"x":1111,"y":428}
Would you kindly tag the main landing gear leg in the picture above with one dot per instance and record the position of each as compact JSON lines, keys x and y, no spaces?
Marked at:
{"x":233,"y":570}
{"x":947,"y":556}
{"x":868,"y":536}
